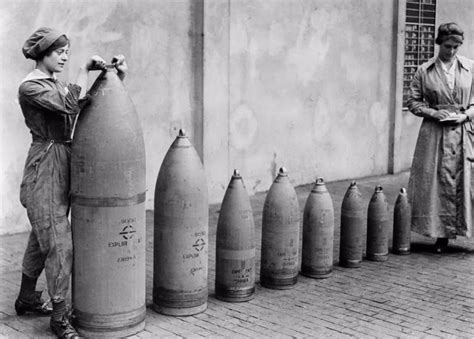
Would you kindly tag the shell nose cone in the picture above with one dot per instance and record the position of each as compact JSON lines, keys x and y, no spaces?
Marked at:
{"x":283,"y":171}
{"x":236,"y":174}
{"x":181,"y":141}
{"x":319,"y":186}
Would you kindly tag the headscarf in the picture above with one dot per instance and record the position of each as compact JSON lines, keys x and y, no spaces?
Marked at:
{"x":39,"y":42}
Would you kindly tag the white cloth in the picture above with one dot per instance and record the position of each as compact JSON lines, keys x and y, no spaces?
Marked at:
{"x":449,"y":73}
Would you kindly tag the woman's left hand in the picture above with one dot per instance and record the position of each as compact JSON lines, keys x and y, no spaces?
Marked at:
{"x":461,"y":119}
{"x":120,"y":64}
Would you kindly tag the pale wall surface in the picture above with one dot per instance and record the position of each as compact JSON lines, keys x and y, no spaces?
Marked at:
{"x":461,"y":12}
{"x":154,"y":37}
{"x":308,"y":87}
{"x":303,"y":84}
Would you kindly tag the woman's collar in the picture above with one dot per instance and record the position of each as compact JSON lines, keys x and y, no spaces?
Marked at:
{"x":36,"y":74}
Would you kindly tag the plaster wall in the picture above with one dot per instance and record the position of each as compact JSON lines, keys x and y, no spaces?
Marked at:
{"x":257,"y":84}
{"x":461,"y":12}
{"x":309,"y":87}
{"x":156,"y":39}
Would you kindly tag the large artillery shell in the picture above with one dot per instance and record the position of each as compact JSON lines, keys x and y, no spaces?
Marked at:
{"x":280,"y":235}
{"x":377,"y":226}
{"x":401,"y":224}
{"x":108,"y":214}
{"x":318,"y":233}
{"x":352,"y":225}
{"x":181,"y":222}
{"x":235,"y":245}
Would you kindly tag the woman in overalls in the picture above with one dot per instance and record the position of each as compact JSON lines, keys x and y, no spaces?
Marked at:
{"x":50,"y":107}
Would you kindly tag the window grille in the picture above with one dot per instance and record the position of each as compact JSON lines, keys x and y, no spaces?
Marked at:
{"x":419,"y":38}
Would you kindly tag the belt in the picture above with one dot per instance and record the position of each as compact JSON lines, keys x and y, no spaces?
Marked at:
{"x":52,"y":141}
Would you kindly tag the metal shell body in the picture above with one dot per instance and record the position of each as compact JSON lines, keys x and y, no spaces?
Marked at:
{"x":377,"y":226}
{"x":352,"y":226}
{"x":108,"y":214}
{"x":401,"y":224}
{"x":235,"y":245}
{"x":318,"y":233}
{"x":280,"y":235}
{"x":181,"y":226}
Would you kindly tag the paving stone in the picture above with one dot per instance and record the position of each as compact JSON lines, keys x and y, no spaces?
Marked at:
{"x":418,"y":295}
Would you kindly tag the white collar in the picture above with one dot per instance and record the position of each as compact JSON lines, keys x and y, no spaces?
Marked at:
{"x":451,"y":69}
{"x":37,"y":74}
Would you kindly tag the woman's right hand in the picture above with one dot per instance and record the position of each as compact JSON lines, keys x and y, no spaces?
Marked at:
{"x":96,"y":63}
{"x":441,"y":114}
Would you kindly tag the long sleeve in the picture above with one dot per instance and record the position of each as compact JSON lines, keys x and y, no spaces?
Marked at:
{"x":416,"y":103}
{"x":38,"y":93}
{"x":470,"y":106}
{"x":49,"y":107}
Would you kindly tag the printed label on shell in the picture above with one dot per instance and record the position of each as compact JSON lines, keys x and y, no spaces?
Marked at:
{"x":125,"y":250}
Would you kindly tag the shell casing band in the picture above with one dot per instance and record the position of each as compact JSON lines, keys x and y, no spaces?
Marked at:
{"x":109,"y":201}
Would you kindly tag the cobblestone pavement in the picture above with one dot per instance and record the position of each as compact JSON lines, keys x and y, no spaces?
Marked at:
{"x":418,"y":295}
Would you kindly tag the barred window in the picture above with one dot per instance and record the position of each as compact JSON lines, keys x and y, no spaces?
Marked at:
{"x":419,"y":38}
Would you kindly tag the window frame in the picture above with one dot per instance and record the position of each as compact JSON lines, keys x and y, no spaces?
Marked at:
{"x":419,"y":39}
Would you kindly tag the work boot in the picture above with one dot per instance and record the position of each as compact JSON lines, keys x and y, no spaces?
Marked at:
{"x":63,"y":329}
{"x":36,"y":305}
{"x":441,"y":245}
